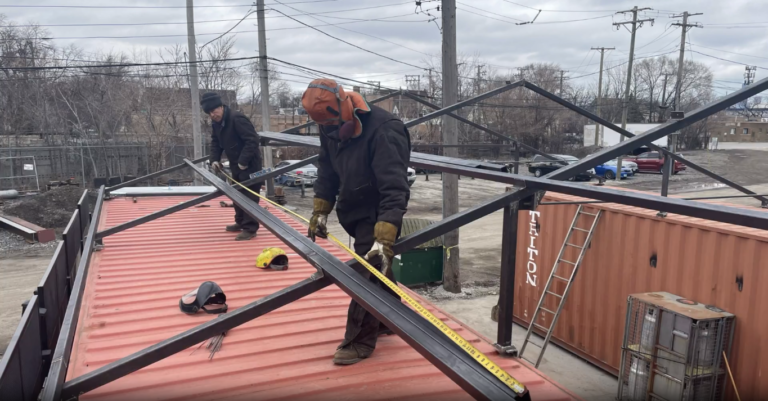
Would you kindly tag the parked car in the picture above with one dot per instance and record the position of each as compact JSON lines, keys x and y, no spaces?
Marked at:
{"x":541,"y":166}
{"x":411,"y":176}
{"x":608,"y":170}
{"x":629,"y":164}
{"x":305,"y":175}
{"x":653,"y":162}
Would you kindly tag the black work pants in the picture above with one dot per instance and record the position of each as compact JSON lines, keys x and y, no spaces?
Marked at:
{"x":362,"y":327}
{"x":245,"y":221}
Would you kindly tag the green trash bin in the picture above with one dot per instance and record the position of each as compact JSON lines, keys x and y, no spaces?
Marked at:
{"x":423,"y":264}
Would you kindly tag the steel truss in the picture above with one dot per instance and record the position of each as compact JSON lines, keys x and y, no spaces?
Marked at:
{"x":418,"y":333}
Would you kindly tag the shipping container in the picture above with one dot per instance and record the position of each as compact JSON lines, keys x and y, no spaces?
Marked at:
{"x":633,"y":251}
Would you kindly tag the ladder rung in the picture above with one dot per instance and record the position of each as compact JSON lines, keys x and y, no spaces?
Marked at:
{"x":545,"y":309}
{"x":591,"y":214}
{"x":557,"y":295}
{"x":580,"y":229}
{"x":546,"y":330}
{"x":575,"y":246}
{"x":533,"y":343}
{"x":566,"y":261}
{"x":561,"y":278}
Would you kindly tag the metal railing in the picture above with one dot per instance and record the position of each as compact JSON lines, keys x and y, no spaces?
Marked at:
{"x":29,"y":354}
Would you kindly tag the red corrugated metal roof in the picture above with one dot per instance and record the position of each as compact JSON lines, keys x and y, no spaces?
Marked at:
{"x":131,"y":302}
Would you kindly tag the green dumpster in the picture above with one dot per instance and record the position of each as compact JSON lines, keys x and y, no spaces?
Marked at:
{"x":423,"y":264}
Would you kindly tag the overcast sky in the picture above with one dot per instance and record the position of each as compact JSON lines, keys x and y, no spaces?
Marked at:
{"x":486,"y":28}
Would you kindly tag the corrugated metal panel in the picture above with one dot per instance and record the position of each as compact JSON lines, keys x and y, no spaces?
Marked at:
{"x":411,"y":225}
{"x":131,"y":302}
{"x":695,"y":258}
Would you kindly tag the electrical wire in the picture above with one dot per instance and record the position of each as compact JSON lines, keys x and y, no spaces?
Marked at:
{"x":490,"y":12}
{"x":184,"y":35}
{"x":730,"y":61}
{"x":726,"y":51}
{"x":360,"y":33}
{"x":561,"y":11}
{"x":145,"y":7}
{"x":349,"y":43}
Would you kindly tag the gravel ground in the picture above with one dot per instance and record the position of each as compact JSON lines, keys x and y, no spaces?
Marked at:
{"x":51,"y":209}
{"x":12,"y":245}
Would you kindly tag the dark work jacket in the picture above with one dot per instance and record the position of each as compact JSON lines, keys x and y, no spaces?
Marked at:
{"x":236,"y":137}
{"x":369,"y":173}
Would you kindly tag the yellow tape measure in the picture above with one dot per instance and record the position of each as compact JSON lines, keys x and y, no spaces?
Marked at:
{"x":483,"y":360}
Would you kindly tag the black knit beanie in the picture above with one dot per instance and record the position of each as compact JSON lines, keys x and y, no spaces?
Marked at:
{"x":210,"y":101}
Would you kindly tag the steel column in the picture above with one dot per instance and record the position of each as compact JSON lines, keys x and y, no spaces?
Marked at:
{"x":666,"y":170}
{"x":58,"y":370}
{"x":199,"y":200}
{"x":414,"y":330}
{"x":628,"y":134}
{"x":153,"y":175}
{"x":507,"y":281}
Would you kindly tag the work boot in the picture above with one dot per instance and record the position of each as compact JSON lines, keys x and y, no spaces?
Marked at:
{"x":234,"y":228}
{"x":350,"y":354}
{"x":245,"y":235}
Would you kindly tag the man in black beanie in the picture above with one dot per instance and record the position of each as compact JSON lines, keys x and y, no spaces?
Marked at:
{"x":234,"y":135}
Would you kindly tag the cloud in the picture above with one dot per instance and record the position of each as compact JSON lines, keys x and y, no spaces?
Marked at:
{"x":485,"y":28}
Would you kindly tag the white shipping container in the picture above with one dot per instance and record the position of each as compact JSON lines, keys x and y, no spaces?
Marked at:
{"x":611,"y":137}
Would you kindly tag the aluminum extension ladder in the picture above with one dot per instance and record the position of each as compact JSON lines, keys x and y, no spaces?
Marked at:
{"x":568,"y":280}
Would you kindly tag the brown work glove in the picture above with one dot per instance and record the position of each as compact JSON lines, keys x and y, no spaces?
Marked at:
{"x":385,"y":234}
{"x":317,"y":224}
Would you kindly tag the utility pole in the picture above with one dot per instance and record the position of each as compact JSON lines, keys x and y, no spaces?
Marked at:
{"x":264,"y":83}
{"x":451,"y":256}
{"x":197,"y":138}
{"x":562,"y":73}
{"x":664,"y":99}
{"x":625,"y":105}
{"x":598,"y":127}
{"x":679,"y":84}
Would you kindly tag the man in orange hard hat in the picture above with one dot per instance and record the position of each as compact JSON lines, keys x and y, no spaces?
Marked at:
{"x":362,"y":170}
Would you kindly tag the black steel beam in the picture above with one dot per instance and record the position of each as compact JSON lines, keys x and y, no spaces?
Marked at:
{"x":314,"y":141}
{"x":628,"y":134}
{"x":455,"y":221}
{"x":60,"y":361}
{"x":463,"y":103}
{"x":486,"y":129}
{"x":658,"y":132}
{"x":725,"y":214}
{"x":201,"y":199}
{"x":152,"y":354}
{"x":463,"y":145}
{"x":153,"y":175}
{"x":414,"y":330}
{"x":311,"y":123}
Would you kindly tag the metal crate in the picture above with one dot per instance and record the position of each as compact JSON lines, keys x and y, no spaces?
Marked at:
{"x":672,"y":349}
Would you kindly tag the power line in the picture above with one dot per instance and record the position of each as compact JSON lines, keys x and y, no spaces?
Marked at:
{"x":344,"y":41}
{"x":726,"y":51}
{"x":561,"y":11}
{"x":730,"y":61}
{"x":143,"y":7}
{"x":490,"y":12}
{"x":184,"y":35}
{"x":359,"y":33}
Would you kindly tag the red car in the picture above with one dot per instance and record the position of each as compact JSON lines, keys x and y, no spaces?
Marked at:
{"x":653,"y":162}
